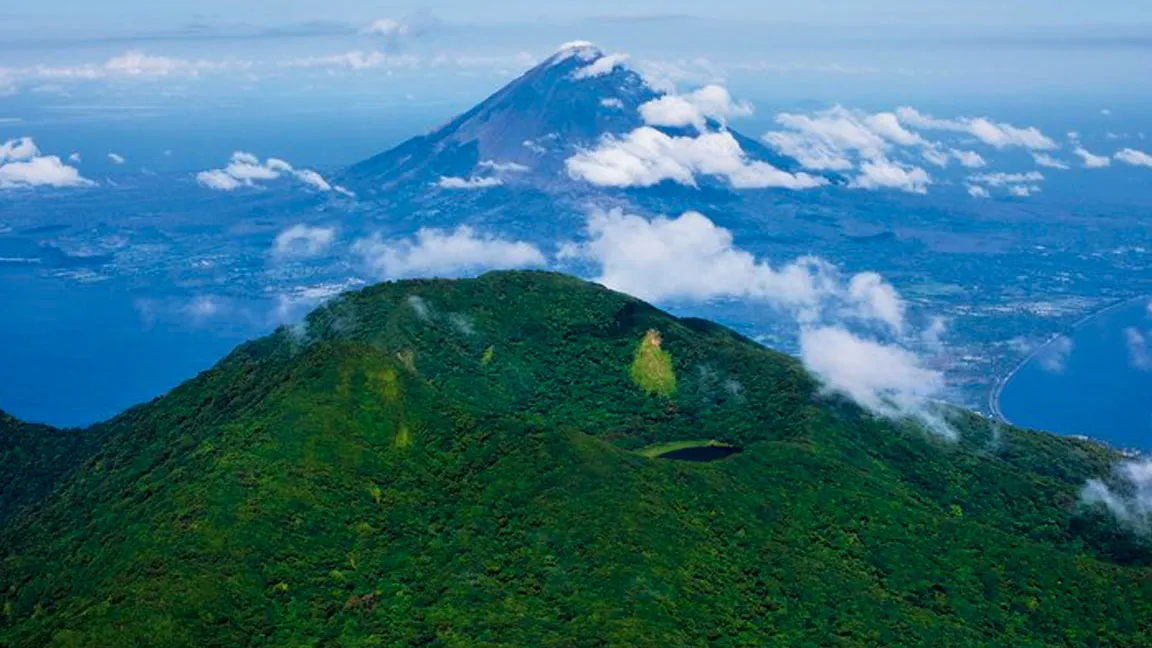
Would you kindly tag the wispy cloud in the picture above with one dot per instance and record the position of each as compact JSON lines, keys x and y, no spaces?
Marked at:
{"x":303,"y":241}
{"x":995,"y":134}
{"x":1139,"y":355}
{"x":1053,"y":357}
{"x":1132,"y":503}
{"x":1091,"y":160}
{"x":1134,"y":157}
{"x":453,"y":182}
{"x":1048,"y":161}
{"x":1020,"y":185}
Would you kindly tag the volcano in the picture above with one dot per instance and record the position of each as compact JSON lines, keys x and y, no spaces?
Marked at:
{"x":522,"y":136}
{"x":527,"y":459}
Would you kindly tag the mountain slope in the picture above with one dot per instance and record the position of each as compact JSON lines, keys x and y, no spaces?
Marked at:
{"x":456,"y":463}
{"x":519,"y":138}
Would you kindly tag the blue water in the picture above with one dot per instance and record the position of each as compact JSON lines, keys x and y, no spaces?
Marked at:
{"x":1100,"y":388}
{"x":74,"y":354}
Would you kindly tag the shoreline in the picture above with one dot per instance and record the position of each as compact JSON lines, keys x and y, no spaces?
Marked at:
{"x":994,"y":397}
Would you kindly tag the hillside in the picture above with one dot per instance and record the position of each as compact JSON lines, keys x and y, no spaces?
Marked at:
{"x":471,"y":463}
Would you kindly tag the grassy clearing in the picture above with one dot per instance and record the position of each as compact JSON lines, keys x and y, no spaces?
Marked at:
{"x":652,"y":368}
{"x":654,"y":451}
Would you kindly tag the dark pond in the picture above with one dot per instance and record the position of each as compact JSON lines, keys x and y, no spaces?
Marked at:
{"x":704,"y":453}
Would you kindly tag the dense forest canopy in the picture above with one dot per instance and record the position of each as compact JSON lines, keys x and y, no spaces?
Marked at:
{"x":468,"y":463}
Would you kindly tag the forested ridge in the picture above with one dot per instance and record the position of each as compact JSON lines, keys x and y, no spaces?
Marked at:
{"x":460,"y":463}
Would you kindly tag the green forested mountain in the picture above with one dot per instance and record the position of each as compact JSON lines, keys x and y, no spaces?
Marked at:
{"x":469,"y":463}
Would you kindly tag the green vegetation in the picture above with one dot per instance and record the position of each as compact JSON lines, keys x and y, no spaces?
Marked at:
{"x":654,"y":451}
{"x":374,"y":483}
{"x":652,"y":367}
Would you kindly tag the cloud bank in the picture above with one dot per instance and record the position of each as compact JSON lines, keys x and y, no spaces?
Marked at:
{"x":710,"y":103}
{"x":22,"y":165}
{"x":646,"y":157}
{"x":843,"y":322}
{"x":442,"y":253}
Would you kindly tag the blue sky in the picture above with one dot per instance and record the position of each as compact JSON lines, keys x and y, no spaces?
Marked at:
{"x":149,"y":13}
{"x":67,"y":66}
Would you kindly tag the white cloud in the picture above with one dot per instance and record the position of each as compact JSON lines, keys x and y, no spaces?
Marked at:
{"x":886,"y":379}
{"x":969,"y":159}
{"x":357,"y":60}
{"x":602,"y":66}
{"x":1053,"y":357}
{"x":133,"y":64}
{"x":839,"y":139}
{"x":1023,"y":191}
{"x":646,"y":157}
{"x":1132,"y":505}
{"x":302,"y":241}
{"x":452,"y":182}
{"x":502,"y":167}
{"x":219,"y":180}
{"x":1005,"y":179}
{"x":976,"y":191}
{"x":690,"y":257}
{"x":612,"y":102}
{"x":389,"y":28}
{"x":116,"y":158}
{"x":1092,"y":161}
{"x":7,"y":82}
{"x":876,"y":299}
{"x":995,"y":134}
{"x":1020,"y":185}
{"x":888,"y":126}
{"x":584,"y":50}
{"x":23,"y":165}
{"x":882,"y":173}
{"x":710,"y":103}
{"x":1134,"y":157}
{"x":825,"y":140}
{"x":1048,"y":161}
{"x":435,"y":252}
{"x":75,"y":157}
{"x":1139,"y":355}
{"x":205,"y":307}
{"x":21,"y":149}
{"x":313,"y":179}
{"x":246,"y":170}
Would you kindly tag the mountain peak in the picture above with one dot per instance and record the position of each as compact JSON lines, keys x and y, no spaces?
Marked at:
{"x":569,"y":101}
{"x":585,"y":50}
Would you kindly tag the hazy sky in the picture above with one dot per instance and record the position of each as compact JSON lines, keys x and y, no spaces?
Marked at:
{"x":150,"y":14}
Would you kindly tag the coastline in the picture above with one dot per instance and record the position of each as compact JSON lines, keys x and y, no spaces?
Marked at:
{"x":994,"y":397}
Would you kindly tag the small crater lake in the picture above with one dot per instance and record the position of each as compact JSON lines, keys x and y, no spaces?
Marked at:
{"x":697,"y":451}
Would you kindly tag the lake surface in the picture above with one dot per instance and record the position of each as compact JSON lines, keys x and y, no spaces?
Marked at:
{"x":1094,"y":381}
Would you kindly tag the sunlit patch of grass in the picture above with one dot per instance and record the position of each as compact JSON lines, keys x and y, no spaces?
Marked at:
{"x":404,"y":436}
{"x":488,"y":357}
{"x":388,"y":384}
{"x":652,"y":367}
{"x":659,"y":449}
